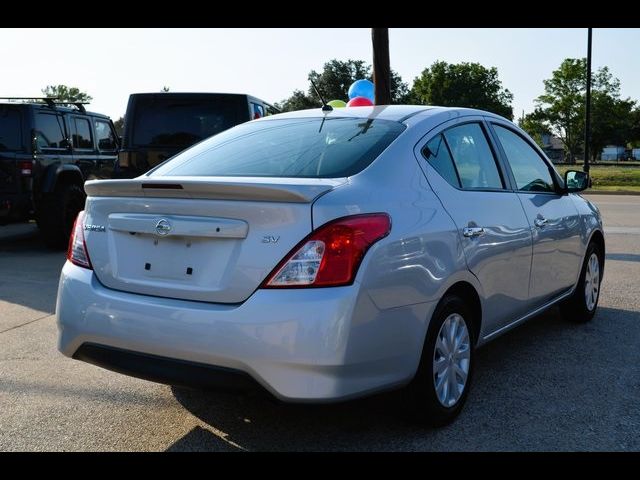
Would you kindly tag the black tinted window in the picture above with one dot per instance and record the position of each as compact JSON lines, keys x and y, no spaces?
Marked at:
{"x":472,"y":155}
{"x":10,"y":133}
{"x":437,"y":154}
{"x":182,"y":122}
{"x":82,"y":134}
{"x":49,"y":131}
{"x":105,"y":135}
{"x":305,"y":147}
{"x":530,"y":171}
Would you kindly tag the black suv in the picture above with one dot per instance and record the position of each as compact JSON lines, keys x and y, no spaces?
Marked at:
{"x":47,"y":151}
{"x":159,"y":125}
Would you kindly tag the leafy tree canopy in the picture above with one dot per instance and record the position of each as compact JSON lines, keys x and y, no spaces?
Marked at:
{"x":66,"y":94}
{"x":462,"y":85}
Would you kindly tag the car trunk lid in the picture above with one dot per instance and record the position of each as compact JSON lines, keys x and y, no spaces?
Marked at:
{"x":211,"y":239}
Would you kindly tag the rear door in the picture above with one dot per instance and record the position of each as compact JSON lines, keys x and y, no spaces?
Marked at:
{"x":466,"y":175}
{"x":51,"y":139}
{"x":85,"y":154}
{"x":554,"y":219}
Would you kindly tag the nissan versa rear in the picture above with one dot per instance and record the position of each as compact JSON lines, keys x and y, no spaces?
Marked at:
{"x":330,"y":255}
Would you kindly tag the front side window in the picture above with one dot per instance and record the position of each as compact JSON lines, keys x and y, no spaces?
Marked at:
{"x":82,"y":134}
{"x":299,"y":147}
{"x":473,"y":158}
{"x":106,"y":136}
{"x":530,"y":171}
{"x":49,"y":132}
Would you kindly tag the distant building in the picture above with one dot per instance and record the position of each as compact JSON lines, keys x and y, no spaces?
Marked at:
{"x":553,"y":147}
{"x":612,"y":152}
{"x":635,"y":153}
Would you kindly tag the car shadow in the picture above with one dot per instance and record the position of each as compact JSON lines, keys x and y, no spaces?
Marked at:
{"x":539,"y":357}
{"x":29,"y":270}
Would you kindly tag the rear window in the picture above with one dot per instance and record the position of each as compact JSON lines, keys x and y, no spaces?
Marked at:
{"x":304,"y":147}
{"x":10,"y":132}
{"x":176,"y":122}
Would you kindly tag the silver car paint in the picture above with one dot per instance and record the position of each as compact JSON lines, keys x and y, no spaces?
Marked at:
{"x":334,"y":343}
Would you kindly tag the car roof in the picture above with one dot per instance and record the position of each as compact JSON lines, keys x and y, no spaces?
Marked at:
{"x":398,"y":113}
{"x":57,"y":108}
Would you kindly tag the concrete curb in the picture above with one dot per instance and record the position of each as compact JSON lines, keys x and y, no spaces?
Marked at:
{"x":605,"y":192}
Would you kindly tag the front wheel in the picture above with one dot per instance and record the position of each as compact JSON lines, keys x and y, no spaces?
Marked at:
{"x":582,"y":305}
{"x":440,"y":388}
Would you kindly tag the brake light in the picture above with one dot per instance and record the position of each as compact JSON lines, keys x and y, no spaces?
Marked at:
{"x":26,"y":167}
{"x":330,"y":255}
{"x":77,"y":251}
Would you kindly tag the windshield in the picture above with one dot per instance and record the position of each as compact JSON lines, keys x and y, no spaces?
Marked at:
{"x":301,"y":147}
{"x":10,"y":132}
{"x":181,"y":122}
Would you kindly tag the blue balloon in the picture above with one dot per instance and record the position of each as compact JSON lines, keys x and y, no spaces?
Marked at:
{"x":362,"y":88}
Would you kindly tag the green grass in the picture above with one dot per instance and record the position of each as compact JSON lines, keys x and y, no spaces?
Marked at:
{"x":613,"y":178}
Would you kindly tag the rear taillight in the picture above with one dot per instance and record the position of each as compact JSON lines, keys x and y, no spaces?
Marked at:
{"x":331,"y":255}
{"x":25,"y":167}
{"x":77,"y":251}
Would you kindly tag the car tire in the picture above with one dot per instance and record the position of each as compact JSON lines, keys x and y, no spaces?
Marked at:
{"x":58,"y":210}
{"x":582,"y":305}
{"x":426,"y":395}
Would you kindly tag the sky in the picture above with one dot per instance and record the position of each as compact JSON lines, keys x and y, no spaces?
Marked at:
{"x":110,"y":64}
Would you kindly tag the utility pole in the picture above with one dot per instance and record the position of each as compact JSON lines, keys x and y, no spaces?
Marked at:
{"x":587,"y":120}
{"x":381,"y":65}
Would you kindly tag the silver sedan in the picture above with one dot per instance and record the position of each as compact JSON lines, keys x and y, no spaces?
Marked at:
{"x":329,"y":255}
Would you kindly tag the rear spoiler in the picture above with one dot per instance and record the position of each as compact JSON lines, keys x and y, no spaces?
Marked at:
{"x":296,"y":190}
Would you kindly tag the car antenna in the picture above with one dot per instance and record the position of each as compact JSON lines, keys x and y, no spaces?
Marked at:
{"x":325,"y":107}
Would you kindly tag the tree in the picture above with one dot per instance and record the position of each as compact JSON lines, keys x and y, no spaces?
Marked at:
{"x":119,"y":124}
{"x":533,"y":123}
{"x":66,"y":94}
{"x":334,"y":82}
{"x":165,"y":89}
{"x":462,"y":85}
{"x":562,"y":108}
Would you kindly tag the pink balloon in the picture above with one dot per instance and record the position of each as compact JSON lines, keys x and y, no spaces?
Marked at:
{"x":360,"y":102}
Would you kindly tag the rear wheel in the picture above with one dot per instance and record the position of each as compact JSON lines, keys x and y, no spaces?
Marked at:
{"x":58,"y":210}
{"x":582,"y":305}
{"x":441,"y":386}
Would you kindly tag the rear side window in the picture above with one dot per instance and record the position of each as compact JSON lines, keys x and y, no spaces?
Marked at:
{"x":106,"y":136}
{"x":10,"y":130}
{"x":462,"y":156}
{"x":82,"y":134}
{"x":176,"y":122}
{"x":473,"y":158}
{"x":301,"y":147}
{"x":49,"y":131}
{"x":437,"y":154}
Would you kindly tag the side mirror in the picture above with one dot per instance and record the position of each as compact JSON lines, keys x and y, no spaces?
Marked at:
{"x":576,"y":181}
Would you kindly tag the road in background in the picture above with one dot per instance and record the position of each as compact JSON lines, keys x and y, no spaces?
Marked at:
{"x":548,"y":385}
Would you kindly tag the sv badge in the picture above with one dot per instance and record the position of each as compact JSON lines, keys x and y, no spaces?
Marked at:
{"x":270,"y":239}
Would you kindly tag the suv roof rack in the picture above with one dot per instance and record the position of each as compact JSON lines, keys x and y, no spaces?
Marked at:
{"x":50,"y":101}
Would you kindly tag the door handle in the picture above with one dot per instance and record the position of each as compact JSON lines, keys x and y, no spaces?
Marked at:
{"x":540,"y":222}
{"x":471,"y":232}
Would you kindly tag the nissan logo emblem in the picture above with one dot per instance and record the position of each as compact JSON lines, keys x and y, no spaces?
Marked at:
{"x":163,"y":227}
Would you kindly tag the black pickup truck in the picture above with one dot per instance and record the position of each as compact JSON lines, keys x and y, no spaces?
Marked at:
{"x":47,"y":152}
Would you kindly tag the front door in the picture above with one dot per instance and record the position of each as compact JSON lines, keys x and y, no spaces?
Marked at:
{"x":554,"y":219}
{"x":462,"y":170}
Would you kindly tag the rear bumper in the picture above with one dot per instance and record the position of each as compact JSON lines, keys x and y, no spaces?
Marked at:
{"x":303,"y":345}
{"x":164,"y":370}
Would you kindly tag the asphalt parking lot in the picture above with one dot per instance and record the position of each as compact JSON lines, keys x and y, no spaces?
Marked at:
{"x":548,"y":385}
